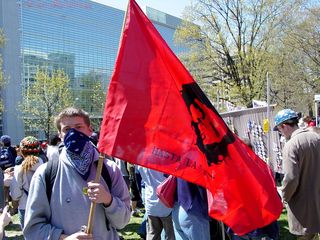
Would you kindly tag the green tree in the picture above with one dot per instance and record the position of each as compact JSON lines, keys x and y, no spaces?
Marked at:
{"x":45,"y":97}
{"x":296,"y":62}
{"x":230,"y":43}
{"x":287,"y":87}
{"x":305,"y":36}
{"x":2,"y":79}
{"x":91,"y":96}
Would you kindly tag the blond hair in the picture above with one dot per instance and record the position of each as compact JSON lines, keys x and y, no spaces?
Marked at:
{"x":30,"y":148}
{"x":28,"y":162}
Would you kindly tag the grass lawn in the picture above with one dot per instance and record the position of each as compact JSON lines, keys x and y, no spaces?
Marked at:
{"x":130,"y":231}
{"x":13,"y":231}
{"x":284,"y":229}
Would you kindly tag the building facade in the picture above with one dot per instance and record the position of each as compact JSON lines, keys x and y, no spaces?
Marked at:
{"x":80,"y":37}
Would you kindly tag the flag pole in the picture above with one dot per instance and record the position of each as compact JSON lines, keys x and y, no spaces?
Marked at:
{"x":102,"y":156}
{"x":93,"y":204}
{"x":123,"y":23}
{"x":269,"y":162}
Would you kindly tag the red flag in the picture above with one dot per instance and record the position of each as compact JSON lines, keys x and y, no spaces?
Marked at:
{"x":157,"y":116}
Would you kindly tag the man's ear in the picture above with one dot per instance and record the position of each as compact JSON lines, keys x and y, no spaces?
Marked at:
{"x":60,"y":135}
{"x":91,"y":129}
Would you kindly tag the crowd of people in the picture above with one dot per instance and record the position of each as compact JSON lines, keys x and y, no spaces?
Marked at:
{"x":52,"y":188}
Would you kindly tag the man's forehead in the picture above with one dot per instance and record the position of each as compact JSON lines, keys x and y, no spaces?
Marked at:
{"x":72,"y":121}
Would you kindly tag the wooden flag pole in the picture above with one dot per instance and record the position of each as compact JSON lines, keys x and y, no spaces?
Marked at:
{"x":123,"y":24}
{"x":101,"y":157}
{"x":93,"y":204}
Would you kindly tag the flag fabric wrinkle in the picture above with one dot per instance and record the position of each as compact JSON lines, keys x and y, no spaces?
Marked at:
{"x":158,"y":117}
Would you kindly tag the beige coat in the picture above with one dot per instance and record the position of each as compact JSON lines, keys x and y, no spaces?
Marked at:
{"x":301,"y":183}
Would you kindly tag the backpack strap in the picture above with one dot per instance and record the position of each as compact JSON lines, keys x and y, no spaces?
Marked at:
{"x":50,"y":176}
{"x":105,"y":174}
{"x":60,"y":147}
{"x":25,"y":191}
{"x":106,"y":177}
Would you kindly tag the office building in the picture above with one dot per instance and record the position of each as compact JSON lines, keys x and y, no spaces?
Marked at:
{"x":80,"y":37}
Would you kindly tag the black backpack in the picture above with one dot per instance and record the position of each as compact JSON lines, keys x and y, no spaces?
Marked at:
{"x":6,"y":158}
{"x":51,"y":173}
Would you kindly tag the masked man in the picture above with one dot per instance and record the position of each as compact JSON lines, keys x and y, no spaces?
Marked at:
{"x":62,"y":215}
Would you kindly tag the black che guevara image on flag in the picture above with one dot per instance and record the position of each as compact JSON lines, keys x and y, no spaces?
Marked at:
{"x":213,"y":143}
{"x":157,"y":116}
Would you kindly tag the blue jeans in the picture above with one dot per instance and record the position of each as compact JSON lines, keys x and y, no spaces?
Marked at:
{"x":21,"y":217}
{"x":189,"y":226}
{"x":142,"y":231}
